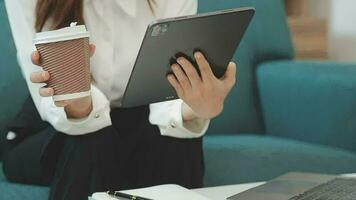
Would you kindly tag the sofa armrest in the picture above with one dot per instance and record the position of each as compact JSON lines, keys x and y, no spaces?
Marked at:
{"x":309,"y":101}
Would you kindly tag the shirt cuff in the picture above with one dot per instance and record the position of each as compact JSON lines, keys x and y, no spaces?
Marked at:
{"x":174,"y":126}
{"x":99,"y":117}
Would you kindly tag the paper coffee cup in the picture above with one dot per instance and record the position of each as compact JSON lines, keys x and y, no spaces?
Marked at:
{"x":65,"y":55}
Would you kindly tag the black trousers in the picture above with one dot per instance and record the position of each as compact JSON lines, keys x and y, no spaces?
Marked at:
{"x":129,"y":154}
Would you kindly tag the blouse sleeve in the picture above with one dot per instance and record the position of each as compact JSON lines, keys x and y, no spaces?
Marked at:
{"x":22,"y":19}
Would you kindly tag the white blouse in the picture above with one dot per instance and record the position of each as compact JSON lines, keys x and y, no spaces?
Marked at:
{"x":117,"y":29}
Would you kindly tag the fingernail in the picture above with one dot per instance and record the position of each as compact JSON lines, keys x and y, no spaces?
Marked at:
{"x":181,"y":60}
{"x":44,"y":74}
{"x":198,"y":55}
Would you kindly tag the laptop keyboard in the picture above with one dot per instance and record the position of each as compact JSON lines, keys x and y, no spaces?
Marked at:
{"x":336,"y":189}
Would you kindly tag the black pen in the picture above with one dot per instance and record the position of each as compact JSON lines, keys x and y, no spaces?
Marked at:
{"x":119,"y":195}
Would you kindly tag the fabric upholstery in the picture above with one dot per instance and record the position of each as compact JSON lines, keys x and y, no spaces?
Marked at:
{"x":249,"y":158}
{"x":310,"y":101}
{"x":9,"y":191}
{"x":18,"y":192}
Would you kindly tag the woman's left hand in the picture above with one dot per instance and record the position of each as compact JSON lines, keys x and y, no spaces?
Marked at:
{"x":203,"y":95}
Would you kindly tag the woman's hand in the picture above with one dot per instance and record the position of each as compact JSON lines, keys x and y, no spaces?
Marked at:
{"x":203,"y":95}
{"x":75,"y":108}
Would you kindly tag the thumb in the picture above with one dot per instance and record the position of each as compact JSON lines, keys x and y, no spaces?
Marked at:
{"x":229,"y":77}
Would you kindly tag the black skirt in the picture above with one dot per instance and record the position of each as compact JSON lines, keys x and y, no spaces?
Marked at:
{"x":129,"y":154}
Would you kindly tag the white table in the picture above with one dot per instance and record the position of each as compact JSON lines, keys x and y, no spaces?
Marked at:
{"x":223,"y":192}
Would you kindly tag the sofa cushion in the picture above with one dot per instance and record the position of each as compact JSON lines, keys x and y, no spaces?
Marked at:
{"x":240,"y":159}
{"x":310,"y":101}
{"x":20,"y":192}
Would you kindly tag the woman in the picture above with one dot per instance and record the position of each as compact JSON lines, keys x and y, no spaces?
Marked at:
{"x":90,"y":144}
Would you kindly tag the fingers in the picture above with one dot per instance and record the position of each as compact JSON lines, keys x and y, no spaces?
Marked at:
{"x":46,"y":92}
{"x":174,"y":82}
{"x":92,"y":48}
{"x":230,"y":75}
{"x":36,"y":58}
{"x":204,"y":66}
{"x":181,"y":77}
{"x":190,"y":71}
{"x":39,"y":77}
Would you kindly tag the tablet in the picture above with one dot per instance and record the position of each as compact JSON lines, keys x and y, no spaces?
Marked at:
{"x":217,"y":35}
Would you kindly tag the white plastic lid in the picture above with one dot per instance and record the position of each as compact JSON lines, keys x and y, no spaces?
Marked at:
{"x":69,"y":33}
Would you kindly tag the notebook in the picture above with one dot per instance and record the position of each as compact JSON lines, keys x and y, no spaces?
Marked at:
{"x":161,"y":192}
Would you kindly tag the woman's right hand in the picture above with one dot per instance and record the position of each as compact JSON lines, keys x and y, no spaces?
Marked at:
{"x":76,"y":108}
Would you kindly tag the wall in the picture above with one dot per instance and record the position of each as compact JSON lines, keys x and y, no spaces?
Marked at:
{"x":342,"y":29}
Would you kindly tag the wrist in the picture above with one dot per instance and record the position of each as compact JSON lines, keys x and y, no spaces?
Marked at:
{"x":187,"y":113}
{"x":80,"y":108}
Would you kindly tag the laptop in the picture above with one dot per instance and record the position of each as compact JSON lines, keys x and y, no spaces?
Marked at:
{"x":302,"y":186}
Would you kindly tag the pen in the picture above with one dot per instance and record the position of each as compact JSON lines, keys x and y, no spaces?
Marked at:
{"x":119,"y":195}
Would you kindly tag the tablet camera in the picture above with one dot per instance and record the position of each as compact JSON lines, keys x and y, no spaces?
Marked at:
{"x":160,"y":29}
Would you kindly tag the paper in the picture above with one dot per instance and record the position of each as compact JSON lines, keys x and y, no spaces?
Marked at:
{"x":162,"y":192}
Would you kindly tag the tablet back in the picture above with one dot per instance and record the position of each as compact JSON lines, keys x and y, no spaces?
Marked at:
{"x":216,"y":34}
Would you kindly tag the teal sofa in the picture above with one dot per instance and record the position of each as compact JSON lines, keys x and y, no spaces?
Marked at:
{"x":283,"y":115}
